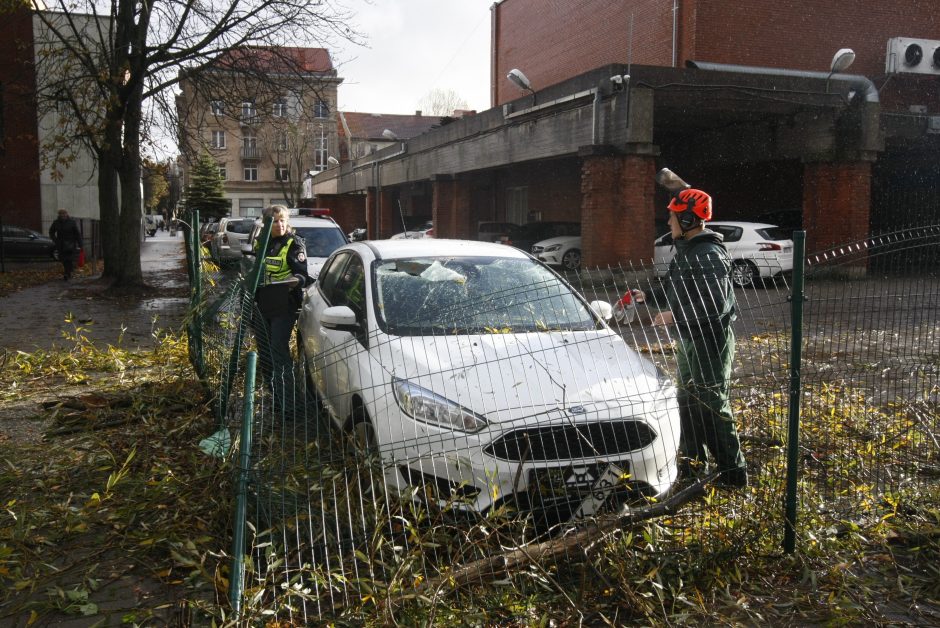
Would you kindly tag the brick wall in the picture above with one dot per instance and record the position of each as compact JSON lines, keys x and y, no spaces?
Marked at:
{"x":443,"y":204}
{"x":617,"y":210}
{"x":20,"y":203}
{"x":348,"y":210}
{"x":836,"y":203}
{"x":552,"y":41}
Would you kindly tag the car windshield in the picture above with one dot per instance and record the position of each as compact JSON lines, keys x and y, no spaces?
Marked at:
{"x":475,"y":295}
{"x":321,"y":242}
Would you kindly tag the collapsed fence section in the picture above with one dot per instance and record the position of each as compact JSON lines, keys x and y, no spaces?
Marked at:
{"x":458,"y":424}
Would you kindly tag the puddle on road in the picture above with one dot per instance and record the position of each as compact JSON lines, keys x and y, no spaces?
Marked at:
{"x":175,"y":305}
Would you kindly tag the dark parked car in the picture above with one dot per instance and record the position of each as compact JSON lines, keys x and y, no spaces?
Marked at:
{"x":524,"y":236}
{"x":25,"y":243}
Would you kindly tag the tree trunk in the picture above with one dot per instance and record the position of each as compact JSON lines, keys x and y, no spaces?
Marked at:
{"x":129,"y":274}
{"x":108,"y":158}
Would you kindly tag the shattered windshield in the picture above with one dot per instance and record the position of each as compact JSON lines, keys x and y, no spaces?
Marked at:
{"x":474,"y":295}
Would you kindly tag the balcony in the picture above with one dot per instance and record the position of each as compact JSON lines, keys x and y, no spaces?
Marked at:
{"x":251,"y":153}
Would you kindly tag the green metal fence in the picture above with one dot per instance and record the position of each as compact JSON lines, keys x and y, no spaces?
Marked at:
{"x":834,"y":390}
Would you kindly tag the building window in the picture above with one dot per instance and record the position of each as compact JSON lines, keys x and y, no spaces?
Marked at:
{"x":251,"y":173}
{"x":250,"y":207}
{"x":218,"y":107}
{"x":281,"y":141}
{"x":321,"y":147}
{"x":248,"y":110}
{"x":281,"y":173}
{"x":218,"y":139}
{"x":249,"y":145}
{"x":280,"y":109}
{"x":222,"y":173}
{"x":321,"y":109}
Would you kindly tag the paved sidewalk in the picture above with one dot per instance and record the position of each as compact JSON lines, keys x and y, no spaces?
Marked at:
{"x":35,"y":318}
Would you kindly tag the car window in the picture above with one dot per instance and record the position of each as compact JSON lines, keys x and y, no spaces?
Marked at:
{"x":240,"y":226}
{"x":330,"y":275}
{"x":730,"y":233}
{"x":474,"y":295}
{"x":321,"y":242}
{"x":775,"y":233}
{"x":350,"y":286}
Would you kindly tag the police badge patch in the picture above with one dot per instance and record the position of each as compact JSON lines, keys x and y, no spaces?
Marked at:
{"x":301,"y":257}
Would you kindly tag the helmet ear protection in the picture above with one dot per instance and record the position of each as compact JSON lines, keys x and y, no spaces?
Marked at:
{"x":691,"y":207}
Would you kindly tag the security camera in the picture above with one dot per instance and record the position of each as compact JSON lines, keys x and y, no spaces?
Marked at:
{"x":616,"y":79}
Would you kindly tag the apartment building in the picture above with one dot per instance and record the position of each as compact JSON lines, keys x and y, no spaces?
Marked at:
{"x":268,"y":118}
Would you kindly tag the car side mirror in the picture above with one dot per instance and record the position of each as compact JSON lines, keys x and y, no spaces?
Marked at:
{"x":340,"y":318}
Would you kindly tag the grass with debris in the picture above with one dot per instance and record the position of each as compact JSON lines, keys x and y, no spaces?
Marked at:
{"x":115,"y":515}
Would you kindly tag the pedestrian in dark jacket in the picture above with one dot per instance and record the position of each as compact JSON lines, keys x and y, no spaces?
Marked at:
{"x":68,"y":241}
{"x":702,"y":307}
{"x":278,"y":297}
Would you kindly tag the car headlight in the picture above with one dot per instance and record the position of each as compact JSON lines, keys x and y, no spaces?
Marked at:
{"x":423,"y":405}
{"x":552,"y":248}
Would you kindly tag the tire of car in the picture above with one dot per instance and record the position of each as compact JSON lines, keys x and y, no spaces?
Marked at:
{"x":743,"y":273}
{"x":571,"y":260}
{"x":364,"y":448}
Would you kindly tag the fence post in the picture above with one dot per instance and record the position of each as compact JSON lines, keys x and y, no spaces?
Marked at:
{"x":793,"y":424}
{"x":236,"y":582}
{"x":252,"y":285}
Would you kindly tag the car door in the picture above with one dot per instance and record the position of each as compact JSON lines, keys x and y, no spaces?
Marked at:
{"x":317,"y":342}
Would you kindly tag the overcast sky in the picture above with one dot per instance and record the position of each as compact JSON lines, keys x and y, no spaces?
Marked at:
{"x":414,"y":46}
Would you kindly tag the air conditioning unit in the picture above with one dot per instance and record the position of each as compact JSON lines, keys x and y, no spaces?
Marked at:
{"x":916,"y":56}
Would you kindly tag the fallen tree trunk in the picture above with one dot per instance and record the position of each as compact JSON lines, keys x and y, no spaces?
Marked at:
{"x":507,"y":562}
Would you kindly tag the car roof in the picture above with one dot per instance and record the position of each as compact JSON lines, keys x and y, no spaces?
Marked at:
{"x":313,"y":221}
{"x":435,"y":247}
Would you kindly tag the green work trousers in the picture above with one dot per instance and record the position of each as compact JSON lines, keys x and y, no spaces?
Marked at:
{"x":704,"y":366}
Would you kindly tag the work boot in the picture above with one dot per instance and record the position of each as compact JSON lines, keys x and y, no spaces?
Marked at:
{"x":732,"y":478}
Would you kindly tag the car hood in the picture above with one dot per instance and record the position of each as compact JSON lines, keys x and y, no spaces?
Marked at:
{"x":557,"y":240}
{"x":506,"y":377}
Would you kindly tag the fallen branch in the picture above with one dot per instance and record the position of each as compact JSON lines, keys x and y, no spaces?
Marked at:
{"x":514,"y":559}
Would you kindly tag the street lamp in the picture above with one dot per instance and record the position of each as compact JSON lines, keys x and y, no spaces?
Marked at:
{"x":840,"y":63}
{"x":389,"y":135}
{"x":522,"y":81}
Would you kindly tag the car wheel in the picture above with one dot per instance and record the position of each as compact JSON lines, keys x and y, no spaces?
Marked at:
{"x":743,"y":273}
{"x":571,"y":260}
{"x":364,"y":450}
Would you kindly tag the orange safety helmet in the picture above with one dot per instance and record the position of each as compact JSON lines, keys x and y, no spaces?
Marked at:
{"x":691,"y":200}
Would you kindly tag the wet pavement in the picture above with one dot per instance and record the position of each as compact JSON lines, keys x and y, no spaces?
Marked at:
{"x":38,"y":317}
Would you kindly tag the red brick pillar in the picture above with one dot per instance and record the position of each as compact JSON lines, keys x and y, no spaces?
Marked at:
{"x":389,"y":222}
{"x":617,"y":211}
{"x":371,"y":226}
{"x":444,"y":205}
{"x":836,"y":203}
{"x":463,"y":215}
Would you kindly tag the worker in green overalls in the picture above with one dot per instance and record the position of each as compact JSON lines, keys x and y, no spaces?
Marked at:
{"x":702,"y":306}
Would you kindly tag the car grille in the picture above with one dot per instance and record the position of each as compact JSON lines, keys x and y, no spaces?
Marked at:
{"x":537,"y":249}
{"x":564,"y":442}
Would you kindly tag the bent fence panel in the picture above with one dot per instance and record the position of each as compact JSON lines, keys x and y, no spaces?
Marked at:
{"x":482,"y":433}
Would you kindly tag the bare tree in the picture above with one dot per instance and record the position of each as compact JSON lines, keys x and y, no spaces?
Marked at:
{"x":441,"y":102}
{"x":106,"y":59}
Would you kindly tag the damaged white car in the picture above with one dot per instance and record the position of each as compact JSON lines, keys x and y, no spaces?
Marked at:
{"x":479,"y":377}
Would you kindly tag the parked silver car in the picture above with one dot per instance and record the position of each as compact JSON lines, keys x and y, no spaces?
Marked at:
{"x":226,"y":243}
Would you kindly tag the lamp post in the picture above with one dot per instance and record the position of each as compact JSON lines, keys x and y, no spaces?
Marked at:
{"x":520,"y":79}
{"x":840,"y":63}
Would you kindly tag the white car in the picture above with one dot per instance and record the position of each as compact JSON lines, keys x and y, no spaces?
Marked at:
{"x":478,"y":375}
{"x":226,"y":243}
{"x":758,"y":251}
{"x":564,"y":251}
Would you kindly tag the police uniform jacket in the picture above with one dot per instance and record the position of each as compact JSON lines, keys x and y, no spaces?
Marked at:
{"x":285,"y":257}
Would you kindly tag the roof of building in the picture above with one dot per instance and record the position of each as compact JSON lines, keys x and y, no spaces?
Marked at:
{"x":292,"y":59}
{"x":369,"y":126}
